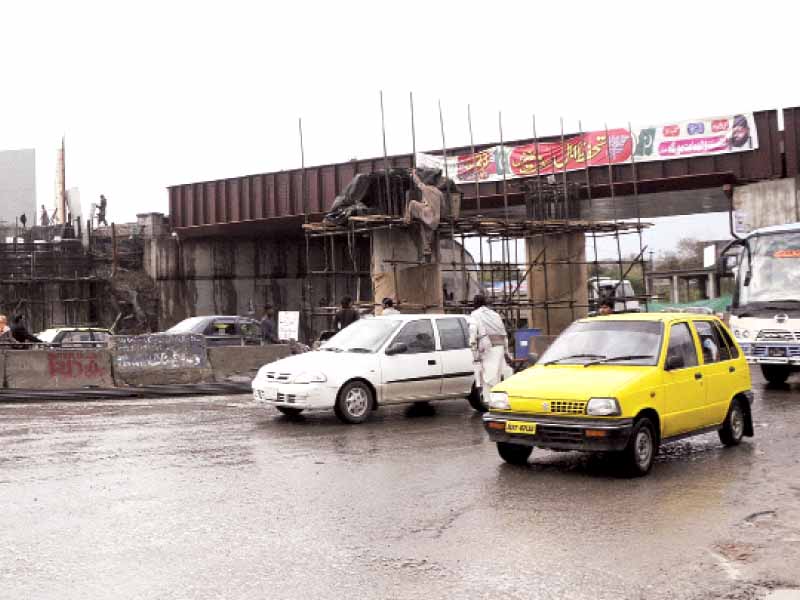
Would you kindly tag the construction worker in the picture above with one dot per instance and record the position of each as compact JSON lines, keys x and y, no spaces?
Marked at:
{"x":101,"y":211}
{"x":346,"y":315}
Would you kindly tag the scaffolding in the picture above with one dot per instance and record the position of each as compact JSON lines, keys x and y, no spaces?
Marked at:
{"x":491,"y":250}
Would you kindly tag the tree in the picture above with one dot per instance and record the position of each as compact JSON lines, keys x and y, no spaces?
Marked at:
{"x":688,"y":254}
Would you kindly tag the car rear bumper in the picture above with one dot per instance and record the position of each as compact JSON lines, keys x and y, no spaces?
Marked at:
{"x":562,"y":433}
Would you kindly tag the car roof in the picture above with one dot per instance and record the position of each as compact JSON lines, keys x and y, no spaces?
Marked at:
{"x":664,"y":317}
{"x":58,"y":329}
{"x":413,"y":317}
{"x":787,"y":227}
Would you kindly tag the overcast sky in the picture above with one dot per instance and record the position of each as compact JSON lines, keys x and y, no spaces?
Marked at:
{"x":151,"y":94}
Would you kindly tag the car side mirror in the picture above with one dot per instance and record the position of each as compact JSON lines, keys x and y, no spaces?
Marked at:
{"x":675,"y":362}
{"x":396,"y":348}
{"x":533,"y":358}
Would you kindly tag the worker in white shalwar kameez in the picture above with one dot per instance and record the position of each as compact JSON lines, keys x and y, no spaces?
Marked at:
{"x":489,"y":342}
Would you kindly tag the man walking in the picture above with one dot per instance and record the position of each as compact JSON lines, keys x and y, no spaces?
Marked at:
{"x":489,"y":342}
{"x":268,"y":333}
{"x":44,"y":220}
{"x":20,"y":333}
{"x":388,"y":307}
{"x":346,"y":314}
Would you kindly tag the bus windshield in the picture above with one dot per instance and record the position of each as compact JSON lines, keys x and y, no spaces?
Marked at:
{"x":774,"y":269}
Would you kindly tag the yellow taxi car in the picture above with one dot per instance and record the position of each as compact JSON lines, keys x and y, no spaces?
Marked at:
{"x":625,"y":384}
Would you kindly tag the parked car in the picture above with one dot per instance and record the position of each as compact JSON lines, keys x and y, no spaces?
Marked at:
{"x":626,"y":384}
{"x":75,"y":337}
{"x":221,"y":330}
{"x":377,"y":361}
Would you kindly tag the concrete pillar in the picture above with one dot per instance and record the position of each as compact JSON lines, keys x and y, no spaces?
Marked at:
{"x":766,"y":203}
{"x":711,"y":291}
{"x":676,"y":292}
{"x":411,"y":286}
{"x":564,"y":282}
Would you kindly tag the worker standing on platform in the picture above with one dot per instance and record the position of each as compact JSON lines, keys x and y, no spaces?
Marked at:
{"x":101,"y":211}
{"x":489,"y":342}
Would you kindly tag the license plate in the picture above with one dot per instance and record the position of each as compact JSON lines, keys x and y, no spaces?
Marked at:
{"x":521,"y":427}
{"x":777,"y":352}
{"x":269,"y":394}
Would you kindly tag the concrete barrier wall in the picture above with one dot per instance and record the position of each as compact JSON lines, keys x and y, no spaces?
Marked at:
{"x":159,"y":359}
{"x":58,"y":369}
{"x":228,"y":361}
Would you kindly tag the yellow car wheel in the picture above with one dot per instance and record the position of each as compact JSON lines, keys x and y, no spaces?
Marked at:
{"x":733,"y":428}
{"x":514,"y":454}
{"x":638,"y":456}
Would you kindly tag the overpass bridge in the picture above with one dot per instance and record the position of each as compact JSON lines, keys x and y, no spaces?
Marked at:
{"x":279,"y":202}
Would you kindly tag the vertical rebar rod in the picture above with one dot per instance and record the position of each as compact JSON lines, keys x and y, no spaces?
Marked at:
{"x":413,"y":132}
{"x":565,"y":213}
{"x":444,"y":144}
{"x":412,"y":189}
{"x":474,"y":158}
{"x":564,"y":157}
{"x":614,"y":207}
{"x":307,"y":310}
{"x":635,"y":174}
{"x":504,"y":165}
{"x":544,"y":237}
{"x":589,"y":199}
{"x":389,"y":206}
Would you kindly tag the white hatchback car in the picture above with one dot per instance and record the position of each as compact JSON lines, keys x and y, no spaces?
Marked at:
{"x":375,"y":361}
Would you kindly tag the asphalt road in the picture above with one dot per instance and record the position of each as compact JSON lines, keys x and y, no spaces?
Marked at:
{"x":217,"y":498}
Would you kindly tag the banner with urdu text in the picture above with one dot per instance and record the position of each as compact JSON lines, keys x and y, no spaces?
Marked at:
{"x":699,"y":137}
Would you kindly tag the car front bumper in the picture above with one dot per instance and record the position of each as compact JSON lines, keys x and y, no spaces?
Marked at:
{"x":304,"y":396}
{"x":562,"y":433}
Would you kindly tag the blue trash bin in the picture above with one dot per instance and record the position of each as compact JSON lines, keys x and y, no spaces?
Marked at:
{"x":522,"y":340}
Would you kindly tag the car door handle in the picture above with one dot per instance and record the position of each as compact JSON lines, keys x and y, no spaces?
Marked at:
{"x":431,"y":362}
{"x":731,"y":369}
{"x":698,"y":375}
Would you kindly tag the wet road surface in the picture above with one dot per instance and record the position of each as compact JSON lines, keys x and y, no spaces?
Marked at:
{"x":218,"y":498}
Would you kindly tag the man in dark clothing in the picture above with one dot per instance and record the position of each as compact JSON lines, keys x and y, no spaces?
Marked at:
{"x":268,"y":333}
{"x":346,"y":314}
{"x":23,"y":220}
{"x":101,"y":211}
{"x":20,"y":333}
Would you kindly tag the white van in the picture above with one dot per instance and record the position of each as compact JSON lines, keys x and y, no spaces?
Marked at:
{"x":605,"y":288}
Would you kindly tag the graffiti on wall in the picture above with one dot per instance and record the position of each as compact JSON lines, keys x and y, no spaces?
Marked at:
{"x":74,"y":365}
{"x":159,"y":351}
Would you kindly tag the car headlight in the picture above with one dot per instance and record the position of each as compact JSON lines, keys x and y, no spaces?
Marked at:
{"x":314,"y":377}
{"x":603,"y":407}
{"x":745,"y":333}
{"x":499,"y":401}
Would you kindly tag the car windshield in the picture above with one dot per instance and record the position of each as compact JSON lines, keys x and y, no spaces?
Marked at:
{"x":607,"y":341}
{"x":187,"y":325}
{"x":365,"y":335}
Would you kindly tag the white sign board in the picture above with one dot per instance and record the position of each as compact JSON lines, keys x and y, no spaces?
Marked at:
{"x":741,"y":224}
{"x":289,"y":325}
{"x":709,"y":256}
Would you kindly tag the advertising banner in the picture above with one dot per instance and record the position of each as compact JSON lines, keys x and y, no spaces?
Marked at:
{"x":699,"y":137}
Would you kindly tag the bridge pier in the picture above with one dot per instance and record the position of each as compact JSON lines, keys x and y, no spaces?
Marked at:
{"x":557,"y":283}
